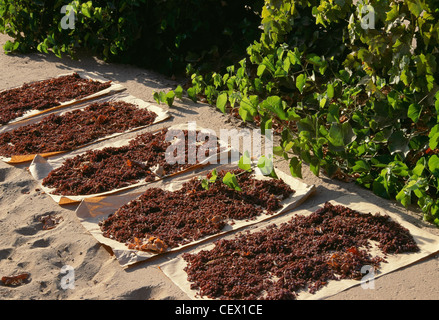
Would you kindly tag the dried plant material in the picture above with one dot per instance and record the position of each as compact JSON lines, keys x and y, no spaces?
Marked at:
{"x":65,"y":132}
{"x":305,"y":253}
{"x":16,"y":280}
{"x":111,"y":168}
{"x":149,"y":243}
{"x":50,"y":221}
{"x":46,"y":94}
{"x":192,"y":212}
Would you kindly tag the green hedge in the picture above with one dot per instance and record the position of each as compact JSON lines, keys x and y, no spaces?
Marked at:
{"x":350,"y":101}
{"x":160,"y":34}
{"x":353,"y":102}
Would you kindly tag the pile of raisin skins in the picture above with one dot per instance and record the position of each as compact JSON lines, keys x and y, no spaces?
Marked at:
{"x":67,"y":131}
{"x":305,"y":253}
{"x":192,"y":212}
{"x":98,"y":171}
{"x":46,"y":94}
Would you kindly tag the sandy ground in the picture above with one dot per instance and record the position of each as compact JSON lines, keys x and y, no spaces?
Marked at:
{"x":26,"y":247}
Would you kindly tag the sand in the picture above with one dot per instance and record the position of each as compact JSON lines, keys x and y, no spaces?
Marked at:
{"x":26,"y":247}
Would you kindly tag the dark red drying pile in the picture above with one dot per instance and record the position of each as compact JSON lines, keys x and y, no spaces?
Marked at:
{"x":75,"y":128}
{"x":98,"y":171}
{"x":178,"y":217}
{"x":46,"y":94}
{"x":305,"y":253}
{"x":16,"y":280}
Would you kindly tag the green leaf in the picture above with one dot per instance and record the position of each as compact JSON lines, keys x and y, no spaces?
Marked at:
{"x":57,"y":51}
{"x":192,"y":94}
{"x":330,"y":91}
{"x":415,"y":7}
{"x":398,"y":143}
{"x":266,"y":124}
{"x":404,"y":196}
{"x":341,"y":135}
{"x":344,"y":76}
{"x":179,"y":92}
{"x":419,"y":168}
{"x":314,"y":166}
{"x":221,"y":102}
{"x":265,"y":164}
{"x":169,"y":98}
{"x":214,"y":176}
{"x":433,"y":164}
{"x":86,"y":9}
{"x":414,"y":112}
{"x":335,"y":135}
{"x":42,"y":47}
{"x":434,"y":137}
{"x":314,"y":59}
{"x":380,"y":188}
{"x":296,"y":167}
{"x":294,"y":56}
{"x":300,"y":82}
{"x":292,"y":115}
{"x":434,"y":141}
{"x":245,"y":162}
{"x":361,"y":166}
{"x":333,"y":113}
{"x":156,"y":96}
{"x":248,"y":107}
{"x":205,"y":184}
{"x":275,"y":105}
{"x":11,"y":46}
{"x":231,"y":181}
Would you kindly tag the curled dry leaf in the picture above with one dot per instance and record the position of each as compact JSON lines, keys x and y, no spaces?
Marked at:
{"x":50,"y":221}
{"x":148,"y":244}
{"x":16,"y":280}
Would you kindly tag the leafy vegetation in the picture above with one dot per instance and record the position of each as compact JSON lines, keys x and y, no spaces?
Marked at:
{"x":164,"y":35}
{"x":351,"y":91}
{"x":350,"y":88}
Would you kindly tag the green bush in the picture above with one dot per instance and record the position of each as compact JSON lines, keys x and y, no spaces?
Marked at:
{"x":160,"y":34}
{"x":352,"y":101}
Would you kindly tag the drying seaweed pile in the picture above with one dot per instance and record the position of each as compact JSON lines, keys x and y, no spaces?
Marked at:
{"x":111,"y":168}
{"x":303,"y":254}
{"x":64,"y":132}
{"x":161,"y":219}
{"x":46,"y":94}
